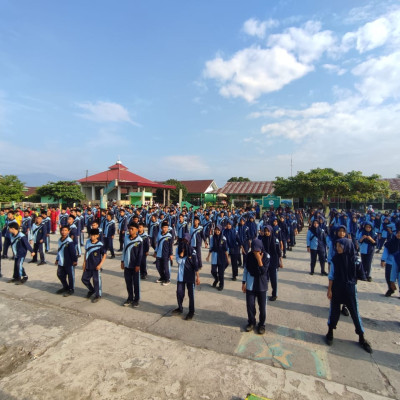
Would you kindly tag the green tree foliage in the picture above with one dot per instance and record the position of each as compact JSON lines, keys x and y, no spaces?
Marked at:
{"x":68,"y":191}
{"x":238,"y":179}
{"x":11,"y":188}
{"x":324,"y":183}
{"x":174,"y":193}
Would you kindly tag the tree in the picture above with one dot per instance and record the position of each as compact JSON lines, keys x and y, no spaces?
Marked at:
{"x":67,"y":191}
{"x":11,"y":188}
{"x":238,"y":179}
{"x":174,"y":193}
{"x":323,"y":183}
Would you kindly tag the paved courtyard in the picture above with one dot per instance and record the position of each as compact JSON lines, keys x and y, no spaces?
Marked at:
{"x":53,"y":347}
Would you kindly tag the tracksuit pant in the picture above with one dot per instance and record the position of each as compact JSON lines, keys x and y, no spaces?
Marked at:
{"x":108,"y":244}
{"x":388,"y":271}
{"x":235,"y":264}
{"x":97,"y":282}
{"x":132,"y":280}
{"x":180,"y":295}
{"x":143,"y":266}
{"x":38,"y":248}
{"x":66,"y":275}
{"x":321,"y":257}
{"x":217,"y":271}
{"x":367,"y":262}
{"x":163,"y":265}
{"x":345,"y":294}
{"x":261,"y":297}
{"x":6,"y":245}
{"x":273,"y":278}
{"x":19,"y":271}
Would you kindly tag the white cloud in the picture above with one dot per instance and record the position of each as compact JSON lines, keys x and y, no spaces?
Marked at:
{"x":102,"y":111}
{"x":335,"y":69}
{"x":254,"y":27}
{"x":256,"y":70}
{"x":380,"y":78}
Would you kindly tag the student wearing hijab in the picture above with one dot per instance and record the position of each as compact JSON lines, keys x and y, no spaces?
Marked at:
{"x":316,"y":244}
{"x":271,"y":246}
{"x":343,"y":278}
{"x":391,"y":248}
{"x":367,"y":241}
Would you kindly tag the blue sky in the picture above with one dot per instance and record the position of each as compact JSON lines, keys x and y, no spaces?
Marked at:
{"x":198,"y":90}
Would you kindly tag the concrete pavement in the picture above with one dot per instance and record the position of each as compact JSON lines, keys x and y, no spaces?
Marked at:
{"x":56,"y":347}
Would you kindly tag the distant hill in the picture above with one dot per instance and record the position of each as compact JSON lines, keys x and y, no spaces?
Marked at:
{"x":39,"y":179}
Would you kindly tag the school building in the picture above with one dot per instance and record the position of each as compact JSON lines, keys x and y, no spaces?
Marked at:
{"x":200,"y":191}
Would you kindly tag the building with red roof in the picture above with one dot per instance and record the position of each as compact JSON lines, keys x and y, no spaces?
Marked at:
{"x":126,"y":182}
{"x":200,"y":191}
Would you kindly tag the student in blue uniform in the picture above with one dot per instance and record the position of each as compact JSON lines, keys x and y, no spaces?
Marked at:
{"x":63,"y":218}
{"x":146,"y":249}
{"x":20,"y":246}
{"x":7,"y":235}
{"x":219,"y":257}
{"x":109,"y":232}
{"x":196,"y":235}
{"x":130,"y":264}
{"x":367,"y":241}
{"x":392,"y":247}
{"x":39,"y":234}
{"x":27,"y":225}
{"x":255,"y":285}
{"x":122,"y":227}
{"x":316,"y":244}
{"x":164,"y":254}
{"x":244,"y":238}
{"x":342,"y":289}
{"x":232,"y":239}
{"x":188,"y":275}
{"x":95,"y":255}
{"x":272,"y":248}
{"x":66,"y":261}
{"x":153,"y":230}
{"x":47,"y":221}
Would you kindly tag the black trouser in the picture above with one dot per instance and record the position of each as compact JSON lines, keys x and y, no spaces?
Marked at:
{"x":19,"y":271}
{"x":284,"y":245}
{"x":180,"y":295}
{"x":273,"y":278}
{"x":367,"y":262}
{"x":235,"y":264}
{"x":217,"y":271}
{"x":121,"y":240}
{"x":38,"y":248}
{"x":388,"y":271}
{"x":132,"y":280}
{"x":143,"y":266}
{"x":321,"y":257}
{"x":109,"y":245}
{"x":199,"y":260}
{"x":261,"y":297}
{"x":162,"y":265}
{"x":6,"y":245}
{"x":66,"y":271}
{"x":97,"y":283}
{"x":344,"y":294}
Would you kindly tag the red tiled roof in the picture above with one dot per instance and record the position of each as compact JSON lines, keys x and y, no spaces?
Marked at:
{"x":29,"y":190}
{"x":258,"y":187}
{"x":394,"y":184}
{"x":120,"y":172}
{"x":199,"y":186}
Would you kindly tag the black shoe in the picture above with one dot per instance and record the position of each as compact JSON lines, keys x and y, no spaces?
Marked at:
{"x":234,"y":278}
{"x":389,"y":293}
{"x":1,"y":275}
{"x":324,"y":273}
{"x":4,"y":256}
{"x":220,"y":288}
{"x":284,"y":256}
{"x":159,"y":280}
{"x":272,"y":298}
{"x":143,"y":277}
{"x":377,"y":252}
{"x":345,"y":311}
{"x":135,"y":303}
{"x":329,"y":339}
{"x":177,"y":311}
{"x":189,"y":316}
{"x":366,"y":346}
{"x":68,"y":293}
{"x":311,"y":273}
{"x":21,"y":281}
{"x":96,"y":299}
{"x":42,"y":263}
{"x":166,"y":283}
{"x":249,"y":327}
{"x":369,"y":279}
{"x":89,"y":294}
{"x":32,"y":261}
{"x":12,"y":280}
{"x":61,"y":291}
{"x":112,"y":256}
{"x":261,"y":330}
{"x":215,"y":283}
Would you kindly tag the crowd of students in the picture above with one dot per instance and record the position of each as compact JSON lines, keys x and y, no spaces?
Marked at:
{"x":232,"y":237}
